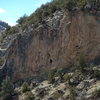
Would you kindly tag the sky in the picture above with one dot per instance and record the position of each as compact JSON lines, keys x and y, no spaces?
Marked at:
{"x":12,"y":10}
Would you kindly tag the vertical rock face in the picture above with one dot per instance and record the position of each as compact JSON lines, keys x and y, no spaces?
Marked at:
{"x":58,"y":43}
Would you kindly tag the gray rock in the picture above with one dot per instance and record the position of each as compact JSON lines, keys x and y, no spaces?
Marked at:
{"x":87,"y":7}
{"x":81,"y":85}
{"x":37,"y":98}
{"x":62,"y":98}
{"x":50,"y":98}
{"x":41,"y":92}
{"x":98,"y":13}
{"x":33,"y":84}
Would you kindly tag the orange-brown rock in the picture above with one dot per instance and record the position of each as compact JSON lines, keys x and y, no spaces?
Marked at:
{"x":58,"y":43}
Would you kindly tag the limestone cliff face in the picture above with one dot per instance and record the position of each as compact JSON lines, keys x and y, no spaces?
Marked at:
{"x":58,"y":43}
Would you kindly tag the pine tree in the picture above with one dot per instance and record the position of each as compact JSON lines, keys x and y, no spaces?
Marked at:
{"x":7,"y":89}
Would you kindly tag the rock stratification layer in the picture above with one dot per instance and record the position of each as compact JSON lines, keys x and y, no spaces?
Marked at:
{"x":57,"y":43}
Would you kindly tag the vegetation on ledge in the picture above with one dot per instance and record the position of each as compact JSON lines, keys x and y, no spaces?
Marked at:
{"x":48,"y":9}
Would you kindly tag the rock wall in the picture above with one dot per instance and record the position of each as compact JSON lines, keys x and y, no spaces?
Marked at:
{"x":57,"y":43}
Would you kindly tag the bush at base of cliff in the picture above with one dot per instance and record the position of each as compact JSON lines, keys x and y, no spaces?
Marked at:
{"x":81,"y":3}
{"x":67,"y":77}
{"x":25,"y":87}
{"x":73,"y":94}
{"x":59,"y":73}
{"x":96,"y":93}
{"x":29,"y":96}
{"x":97,"y":74}
{"x":7,"y":89}
{"x":57,"y":94}
{"x":80,"y":64}
{"x":51,"y":77}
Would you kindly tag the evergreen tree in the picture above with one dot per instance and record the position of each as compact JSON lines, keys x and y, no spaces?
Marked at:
{"x":7,"y":89}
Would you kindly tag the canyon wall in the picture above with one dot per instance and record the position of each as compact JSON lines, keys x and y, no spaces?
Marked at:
{"x":57,"y":43}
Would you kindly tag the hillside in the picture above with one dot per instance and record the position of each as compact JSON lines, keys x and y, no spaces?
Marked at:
{"x":56,"y":50}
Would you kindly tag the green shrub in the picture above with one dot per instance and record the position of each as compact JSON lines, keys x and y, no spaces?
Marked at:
{"x":57,"y":95}
{"x":81,"y":3}
{"x":51,"y":77}
{"x":48,"y":9}
{"x":7,"y":89}
{"x":25,"y":87}
{"x":70,"y":4}
{"x":52,"y":7}
{"x":9,"y":31}
{"x":1,"y":39}
{"x":59,"y":73}
{"x":96,"y":74}
{"x":96,"y":93}
{"x":66,"y":4}
{"x":29,"y":96}
{"x":22,"y":19}
{"x":7,"y":96}
{"x":73,"y":94}
{"x":80,"y":64}
{"x":45,"y":14}
{"x":67,"y":77}
{"x":90,"y":69}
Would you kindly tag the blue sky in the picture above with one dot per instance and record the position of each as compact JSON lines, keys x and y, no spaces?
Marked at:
{"x":11,"y":10}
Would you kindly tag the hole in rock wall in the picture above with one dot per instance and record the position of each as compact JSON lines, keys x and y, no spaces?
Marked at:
{"x":51,"y":61}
